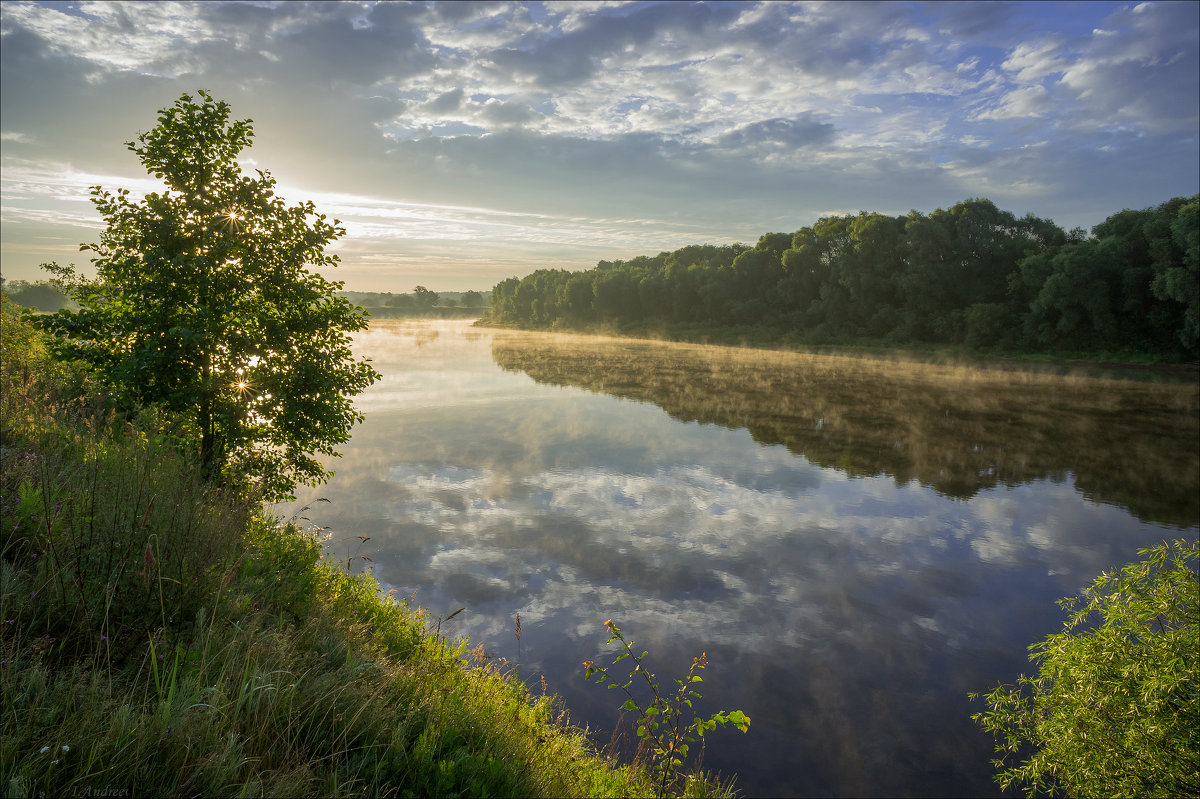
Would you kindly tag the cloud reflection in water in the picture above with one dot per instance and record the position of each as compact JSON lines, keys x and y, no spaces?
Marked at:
{"x":847,"y":615}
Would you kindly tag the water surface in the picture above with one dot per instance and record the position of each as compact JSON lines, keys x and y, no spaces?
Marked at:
{"x":856,"y":545}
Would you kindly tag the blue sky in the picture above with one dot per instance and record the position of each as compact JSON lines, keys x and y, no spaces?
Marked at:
{"x":461,"y":143}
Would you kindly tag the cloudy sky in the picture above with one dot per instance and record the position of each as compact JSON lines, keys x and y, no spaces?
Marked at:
{"x":461,"y":143}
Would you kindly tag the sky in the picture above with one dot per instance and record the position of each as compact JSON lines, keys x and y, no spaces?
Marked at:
{"x":463,"y":143}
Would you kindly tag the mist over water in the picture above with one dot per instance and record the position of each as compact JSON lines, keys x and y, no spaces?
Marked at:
{"x":856,"y":546}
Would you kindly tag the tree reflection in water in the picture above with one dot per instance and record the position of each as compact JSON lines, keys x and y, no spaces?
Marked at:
{"x":955,"y":429}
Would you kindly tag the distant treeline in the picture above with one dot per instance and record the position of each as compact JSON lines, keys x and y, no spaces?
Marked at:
{"x":972,"y":275}
{"x":44,"y":296}
{"x":420,"y":303}
{"x":420,"y":299}
{"x":40,"y":296}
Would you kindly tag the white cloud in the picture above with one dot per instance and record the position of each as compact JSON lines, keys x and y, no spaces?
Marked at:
{"x":1030,"y":61}
{"x":1030,"y":101}
{"x":723,"y":120}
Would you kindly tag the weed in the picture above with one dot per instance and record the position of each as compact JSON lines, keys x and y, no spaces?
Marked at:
{"x":662,"y":722}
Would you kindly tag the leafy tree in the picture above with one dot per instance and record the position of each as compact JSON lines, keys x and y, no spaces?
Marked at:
{"x":1178,"y":278}
{"x":424,"y":298}
{"x":1115,"y":707}
{"x":1074,"y":306}
{"x":204,"y":303}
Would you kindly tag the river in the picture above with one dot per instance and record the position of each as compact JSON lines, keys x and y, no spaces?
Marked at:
{"x":855,"y":544}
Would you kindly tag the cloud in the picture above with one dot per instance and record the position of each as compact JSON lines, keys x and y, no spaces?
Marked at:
{"x":720,"y":120}
{"x":1023,"y":103}
{"x":1031,"y":61}
{"x":588,"y":42}
{"x":778,"y":134}
{"x":1142,"y":69}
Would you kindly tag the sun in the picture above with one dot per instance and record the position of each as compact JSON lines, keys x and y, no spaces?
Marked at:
{"x":232,"y":219}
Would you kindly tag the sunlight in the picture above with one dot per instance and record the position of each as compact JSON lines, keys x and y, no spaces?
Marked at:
{"x":232,"y":219}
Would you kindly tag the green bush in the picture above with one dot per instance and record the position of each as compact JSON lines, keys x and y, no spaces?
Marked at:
{"x":1114,"y":709}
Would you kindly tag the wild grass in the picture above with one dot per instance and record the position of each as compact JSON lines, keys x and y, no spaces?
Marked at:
{"x":161,"y":636}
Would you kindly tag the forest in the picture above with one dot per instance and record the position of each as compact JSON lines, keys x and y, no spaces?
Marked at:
{"x":972,"y":275}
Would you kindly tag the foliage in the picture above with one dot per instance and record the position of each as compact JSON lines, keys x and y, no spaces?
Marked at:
{"x":41,"y":296}
{"x":662,"y":723}
{"x":1114,"y":709}
{"x":204,"y":304}
{"x":972,"y":275}
{"x":421,"y":299}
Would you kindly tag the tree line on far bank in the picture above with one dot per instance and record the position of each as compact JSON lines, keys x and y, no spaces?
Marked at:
{"x":420,"y":299}
{"x":45,"y":296}
{"x":972,"y":275}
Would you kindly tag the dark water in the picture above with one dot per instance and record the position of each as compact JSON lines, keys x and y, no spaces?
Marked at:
{"x":856,"y":545}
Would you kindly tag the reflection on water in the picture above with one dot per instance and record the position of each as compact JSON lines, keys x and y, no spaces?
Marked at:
{"x":853,"y":569}
{"x":955,"y":429}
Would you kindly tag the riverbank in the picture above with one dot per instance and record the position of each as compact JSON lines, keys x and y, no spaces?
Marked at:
{"x":161,"y":636}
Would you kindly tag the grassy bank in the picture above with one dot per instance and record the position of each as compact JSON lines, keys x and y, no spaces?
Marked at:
{"x":160,"y":636}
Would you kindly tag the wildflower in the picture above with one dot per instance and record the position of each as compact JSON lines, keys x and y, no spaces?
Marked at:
{"x":44,"y":750}
{"x":66,"y":748}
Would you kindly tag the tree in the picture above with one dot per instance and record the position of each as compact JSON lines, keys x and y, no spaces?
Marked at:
{"x":204,"y":302}
{"x":1115,"y":707}
{"x":423,"y":298}
{"x":1178,"y":278}
{"x":38,"y":296}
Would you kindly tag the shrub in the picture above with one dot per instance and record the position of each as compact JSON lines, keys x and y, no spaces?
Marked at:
{"x":1114,"y":709}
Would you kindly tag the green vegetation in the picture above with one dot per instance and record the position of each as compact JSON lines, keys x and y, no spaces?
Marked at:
{"x":420,"y":304}
{"x":205,"y":304}
{"x":661,"y":722}
{"x":159,"y":635}
{"x":1115,"y":707}
{"x":41,"y":295}
{"x":972,"y":276}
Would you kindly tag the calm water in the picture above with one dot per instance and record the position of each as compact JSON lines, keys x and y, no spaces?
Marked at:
{"x":855,"y":545}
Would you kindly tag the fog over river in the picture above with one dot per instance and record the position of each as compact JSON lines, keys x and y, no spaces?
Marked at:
{"x":856,"y":545}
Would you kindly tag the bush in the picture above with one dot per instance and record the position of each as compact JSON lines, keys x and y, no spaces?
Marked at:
{"x":1115,"y":707}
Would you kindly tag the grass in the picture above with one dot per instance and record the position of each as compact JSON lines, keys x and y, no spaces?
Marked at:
{"x":161,"y":636}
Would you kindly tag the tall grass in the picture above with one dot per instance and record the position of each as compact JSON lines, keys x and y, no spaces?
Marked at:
{"x":161,"y":636}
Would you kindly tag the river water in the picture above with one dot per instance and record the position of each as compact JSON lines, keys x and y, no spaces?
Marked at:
{"x":856,"y":545}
